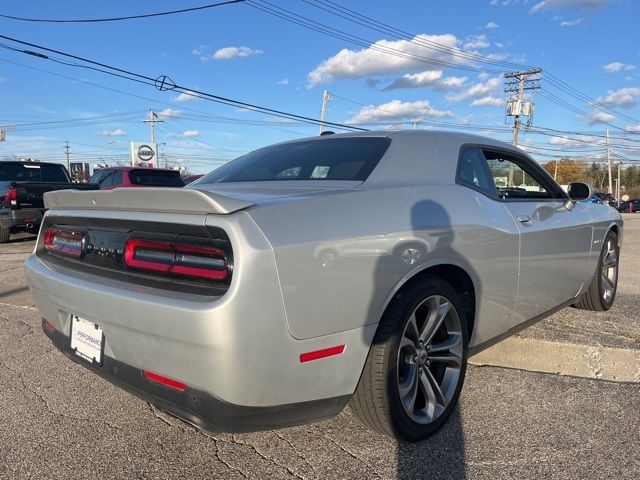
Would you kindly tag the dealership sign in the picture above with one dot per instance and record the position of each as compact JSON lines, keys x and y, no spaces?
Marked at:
{"x":144,"y":154}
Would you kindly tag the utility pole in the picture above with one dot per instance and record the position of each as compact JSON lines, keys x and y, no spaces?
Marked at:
{"x":66,"y":151}
{"x":609,"y":162}
{"x":555,"y":171}
{"x":618,"y":186}
{"x":326,"y":96}
{"x":153,"y":119}
{"x":517,"y":83}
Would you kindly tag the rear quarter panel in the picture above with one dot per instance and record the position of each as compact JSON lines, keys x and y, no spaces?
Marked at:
{"x":367,"y":234}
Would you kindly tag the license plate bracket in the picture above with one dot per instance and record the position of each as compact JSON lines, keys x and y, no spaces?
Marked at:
{"x":86,"y":340}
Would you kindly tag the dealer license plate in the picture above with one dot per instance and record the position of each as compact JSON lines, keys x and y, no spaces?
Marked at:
{"x":86,"y":339}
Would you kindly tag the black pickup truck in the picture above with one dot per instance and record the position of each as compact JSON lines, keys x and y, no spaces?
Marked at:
{"x":22,"y":186}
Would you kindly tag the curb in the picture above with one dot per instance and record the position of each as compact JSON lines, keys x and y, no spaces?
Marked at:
{"x":595,"y":362}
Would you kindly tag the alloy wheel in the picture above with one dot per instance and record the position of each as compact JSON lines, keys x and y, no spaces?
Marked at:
{"x":429,"y":359}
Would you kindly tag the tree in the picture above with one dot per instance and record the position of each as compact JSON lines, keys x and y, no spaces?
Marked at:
{"x":567,"y":171}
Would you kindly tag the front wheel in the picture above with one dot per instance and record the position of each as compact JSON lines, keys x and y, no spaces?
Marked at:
{"x":604,"y":285}
{"x":416,"y":366}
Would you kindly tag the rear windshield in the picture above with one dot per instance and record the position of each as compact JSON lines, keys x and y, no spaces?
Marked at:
{"x":321,"y":159}
{"x":24,"y":172}
{"x":156,"y":178}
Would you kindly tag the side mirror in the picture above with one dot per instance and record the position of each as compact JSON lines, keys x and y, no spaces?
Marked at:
{"x":577,"y":192}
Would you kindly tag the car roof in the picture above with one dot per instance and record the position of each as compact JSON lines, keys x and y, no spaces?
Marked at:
{"x":128,"y":169}
{"x":30,"y":162}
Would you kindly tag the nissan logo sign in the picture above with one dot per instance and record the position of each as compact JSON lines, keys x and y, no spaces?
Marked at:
{"x":145,"y":153}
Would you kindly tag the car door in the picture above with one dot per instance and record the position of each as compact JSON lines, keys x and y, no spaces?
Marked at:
{"x":555,"y":243}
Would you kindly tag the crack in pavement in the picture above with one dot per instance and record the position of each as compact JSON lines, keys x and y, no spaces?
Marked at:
{"x":253,"y":447}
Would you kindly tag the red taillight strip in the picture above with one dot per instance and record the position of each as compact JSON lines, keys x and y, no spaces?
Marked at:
{"x":131,"y":261}
{"x":62,"y":241}
{"x":318,"y":354}
{"x":174,"y":266}
{"x":166,"y":381}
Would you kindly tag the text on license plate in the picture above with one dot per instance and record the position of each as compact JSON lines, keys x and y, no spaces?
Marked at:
{"x":86,"y":339}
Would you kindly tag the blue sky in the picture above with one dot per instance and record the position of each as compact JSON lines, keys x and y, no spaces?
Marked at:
{"x":240,"y":52}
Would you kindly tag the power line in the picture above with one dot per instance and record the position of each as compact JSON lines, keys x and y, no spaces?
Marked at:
{"x":363,"y":20}
{"x":162,"y":83}
{"x":381,"y":27}
{"x":354,"y":39}
{"x":117,"y":19}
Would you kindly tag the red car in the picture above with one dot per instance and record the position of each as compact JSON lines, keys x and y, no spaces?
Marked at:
{"x":112,"y":177}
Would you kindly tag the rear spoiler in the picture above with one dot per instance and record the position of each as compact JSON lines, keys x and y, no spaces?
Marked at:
{"x":148,"y":199}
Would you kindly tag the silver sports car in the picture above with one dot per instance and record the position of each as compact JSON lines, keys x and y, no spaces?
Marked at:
{"x":357,"y":268}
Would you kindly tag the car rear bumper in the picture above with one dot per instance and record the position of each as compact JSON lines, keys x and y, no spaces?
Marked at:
{"x":199,"y":408}
{"x":20,"y":218}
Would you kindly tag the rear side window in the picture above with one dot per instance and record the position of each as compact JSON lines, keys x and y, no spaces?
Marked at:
{"x":473,"y":171}
{"x":117,"y":178}
{"x":351,"y":159}
{"x":19,"y":172}
{"x":53,"y":173}
{"x":155,"y":178}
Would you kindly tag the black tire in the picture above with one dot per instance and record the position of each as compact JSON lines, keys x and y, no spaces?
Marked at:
{"x":595,"y":298}
{"x":377,"y":401}
{"x":5,"y":233}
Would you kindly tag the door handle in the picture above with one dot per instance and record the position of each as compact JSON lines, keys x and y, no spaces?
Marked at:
{"x":526,"y":219}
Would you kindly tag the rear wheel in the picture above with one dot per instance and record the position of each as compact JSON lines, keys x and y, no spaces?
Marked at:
{"x":416,"y":366}
{"x":5,"y":233}
{"x":602,"y":290}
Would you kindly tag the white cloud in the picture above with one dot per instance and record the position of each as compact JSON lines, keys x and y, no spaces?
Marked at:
{"x":476,"y":41}
{"x":600,"y":117}
{"x":477,"y":90}
{"x":573,"y":23}
{"x":227,"y":53}
{"x":374,"y":61}
{"x":118,"y":132}
{"x":428,"y":78}
{"x":169,"y":113}
{"x":488,"y":101}
{"x":3,"y":79}
{"x":491,"y":26}
{"x":191,"y":133}
{"x":186,"y":96}
{"x":397,"y":110}
{"x":615,"y":67}
{"x":284,"y":81}
{"x":575,"y":142}
{"x":623,"y":97}
{"x":545,"y":5}
{"x":633,"y":128}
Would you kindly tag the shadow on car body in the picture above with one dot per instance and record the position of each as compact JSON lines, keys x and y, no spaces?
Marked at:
{"x":441,"y":455}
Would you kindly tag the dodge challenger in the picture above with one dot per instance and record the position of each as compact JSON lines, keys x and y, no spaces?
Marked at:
{"x":358,"y":269}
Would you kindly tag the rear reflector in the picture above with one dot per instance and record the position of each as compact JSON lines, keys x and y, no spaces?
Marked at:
{"x":318,"y":354}
{"x":166,"y":381}
{"x":64,"y":242}
{"x":176,"y":259}
{"x":48,"y":326}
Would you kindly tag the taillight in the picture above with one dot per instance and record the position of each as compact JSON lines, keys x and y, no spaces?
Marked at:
{"x":65,"y":242}
{"x":176,"y":259}
{"x":12,"y":196}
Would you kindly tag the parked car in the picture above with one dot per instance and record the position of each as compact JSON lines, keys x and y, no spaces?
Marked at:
{"x":191,"y":178}
{"x":630,"y":206}
{"x":215,"y":304}
{"x":112,"y":177}
{"x":22,"y":185}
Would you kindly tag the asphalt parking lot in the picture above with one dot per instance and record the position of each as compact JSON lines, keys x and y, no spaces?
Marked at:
{"x":574,"y":415}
